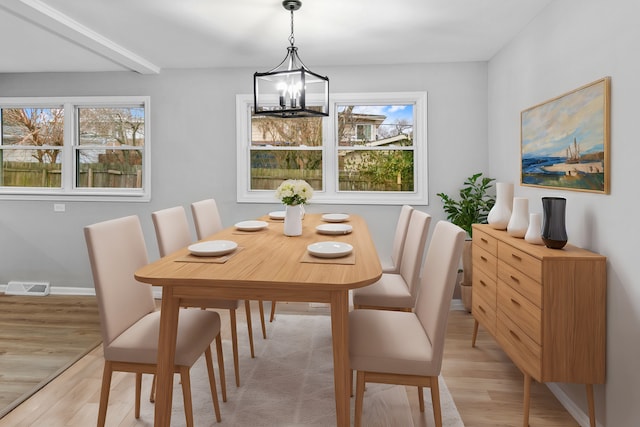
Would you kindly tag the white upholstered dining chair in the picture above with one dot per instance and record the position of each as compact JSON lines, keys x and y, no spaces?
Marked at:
{"x":402,"y":225}
{"x":172,"y":233}
{"x":129,"y":321}
{"x":398,"y":291}
{"x":395,"y":347}
{"x":207,"y":220}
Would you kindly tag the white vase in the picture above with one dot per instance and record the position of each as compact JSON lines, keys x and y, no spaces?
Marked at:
{"x":519,"y":221}
{"x":534,"y":232}
{"x":293,"y":220}
{"x":500,"y":214}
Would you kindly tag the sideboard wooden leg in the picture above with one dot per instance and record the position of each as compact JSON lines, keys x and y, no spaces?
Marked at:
{"x":475,"y":333}
{"x":527,"y":399}
{"x":592,"y":407}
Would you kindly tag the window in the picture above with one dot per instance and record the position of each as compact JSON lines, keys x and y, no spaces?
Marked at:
{"x":372,"y":149}
{"x":70,"y":148}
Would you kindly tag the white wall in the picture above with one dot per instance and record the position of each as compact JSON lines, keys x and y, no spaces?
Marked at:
{"x":572,"y":43}
{"x":193,"y":154}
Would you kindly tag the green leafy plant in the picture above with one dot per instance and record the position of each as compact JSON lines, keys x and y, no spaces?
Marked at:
{"x":474,"y":203}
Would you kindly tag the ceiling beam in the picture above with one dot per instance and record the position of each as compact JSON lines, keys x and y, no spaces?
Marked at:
{"x":52,"y":20}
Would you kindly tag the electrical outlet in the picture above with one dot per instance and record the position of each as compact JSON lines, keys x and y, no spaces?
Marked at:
{"x":59,"y":207}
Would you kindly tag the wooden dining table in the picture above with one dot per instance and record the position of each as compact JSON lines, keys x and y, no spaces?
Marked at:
{"x":267,"y":265}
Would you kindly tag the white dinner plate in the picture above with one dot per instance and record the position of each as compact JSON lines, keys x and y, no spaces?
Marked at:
{"x":251,"y":225}
{"x":329,"y":249}
{"x":277,"y":214}
{"x":213,"y":248}
{"x":335,"y":217}
{"x":334,"y":229}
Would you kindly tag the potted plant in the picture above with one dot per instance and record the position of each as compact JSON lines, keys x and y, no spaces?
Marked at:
{"x":472,"y":207}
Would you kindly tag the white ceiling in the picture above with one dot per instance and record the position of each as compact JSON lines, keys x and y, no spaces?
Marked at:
{"x":150,"y":35}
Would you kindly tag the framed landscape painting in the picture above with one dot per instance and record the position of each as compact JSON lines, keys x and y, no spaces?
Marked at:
{"x":565,"y":140}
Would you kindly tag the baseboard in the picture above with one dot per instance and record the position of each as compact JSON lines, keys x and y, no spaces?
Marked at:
{"x":580,"y":416}
{"x":63,"y":290}
{"x":66,"y":290}
{"x":456,"y":304}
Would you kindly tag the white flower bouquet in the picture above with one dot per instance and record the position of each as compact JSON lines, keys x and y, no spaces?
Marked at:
{"x":294,"y":192}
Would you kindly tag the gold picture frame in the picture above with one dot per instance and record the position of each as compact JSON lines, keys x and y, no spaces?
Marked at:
{"x":565,"y":140}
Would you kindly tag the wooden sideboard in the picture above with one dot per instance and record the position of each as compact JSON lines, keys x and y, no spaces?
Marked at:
{"x":545,"y":307}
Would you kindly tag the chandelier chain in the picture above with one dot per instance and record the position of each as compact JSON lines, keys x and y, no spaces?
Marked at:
{"x":292,"y":39}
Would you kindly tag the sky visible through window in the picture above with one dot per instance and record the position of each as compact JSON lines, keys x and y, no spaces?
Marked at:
{"x":393,"y":113}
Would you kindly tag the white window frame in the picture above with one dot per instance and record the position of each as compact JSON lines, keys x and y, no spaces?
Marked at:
{"x":69,"y":191}
{"x":330,"y":193}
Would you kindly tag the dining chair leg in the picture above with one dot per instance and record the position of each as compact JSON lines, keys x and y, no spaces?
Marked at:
{"x":264,"y":328}
{"x":247,"y":309}
{"x":223,"y":381}
{"x":435,"y":399}
{"x":234,"y":345}
{"x":273,"y":311}
{"x":212,"y":380}
{"x":152,"y":393}
{"x":104,"y":393}
{"x":138,"y":392}
{"x":186,"y":394}
{"x":357,"y":419}
{"x":421,"y":398}
{"x":350,"y":382}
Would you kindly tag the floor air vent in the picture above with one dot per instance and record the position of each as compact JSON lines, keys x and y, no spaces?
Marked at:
{"x":27,"y":288}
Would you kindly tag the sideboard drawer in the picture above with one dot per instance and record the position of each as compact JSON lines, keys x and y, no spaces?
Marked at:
{"x":484,"y":311}
{"x":484,"y":261}
{"x":524,"y":262}
{"x":521,"y":311}
{"x":524,"y":352}
{"x":519,"y":281}
{"x":486,"y":242}
{"x":485,"y":285}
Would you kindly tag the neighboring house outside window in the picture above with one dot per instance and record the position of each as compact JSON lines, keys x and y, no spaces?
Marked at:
{"x":372,"y":149}
{"x":94,"y":148}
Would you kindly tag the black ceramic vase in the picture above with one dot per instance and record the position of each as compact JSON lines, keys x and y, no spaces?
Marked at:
{"x":554,"y":232}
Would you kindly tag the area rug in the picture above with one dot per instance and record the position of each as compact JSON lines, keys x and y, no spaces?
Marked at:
{"x":290,"y":383}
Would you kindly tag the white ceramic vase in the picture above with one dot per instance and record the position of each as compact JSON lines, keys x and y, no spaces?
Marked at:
{"x":519,"y":221}
{"x":534,"y":232}
{"x":500,"y":214}
{"x":293,"y":220}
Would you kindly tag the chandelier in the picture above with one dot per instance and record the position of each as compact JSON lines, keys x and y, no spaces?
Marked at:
{"x":291,"y":90}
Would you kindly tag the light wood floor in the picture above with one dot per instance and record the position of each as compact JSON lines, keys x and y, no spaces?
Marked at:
{"x":485,"y":385}
{"x":39,"y":337}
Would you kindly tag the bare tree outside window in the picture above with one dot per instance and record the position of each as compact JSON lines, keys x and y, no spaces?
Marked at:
{"x":108,"y":139}
{"x":33,"y":138}
{"x":285,"y":149}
